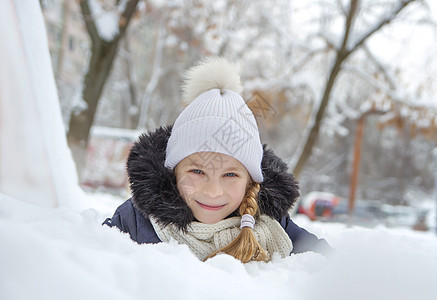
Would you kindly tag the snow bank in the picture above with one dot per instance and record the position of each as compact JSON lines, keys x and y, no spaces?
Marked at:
{"x":62,"y":253}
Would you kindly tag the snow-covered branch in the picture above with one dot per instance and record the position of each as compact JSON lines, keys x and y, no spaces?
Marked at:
{"x":107,"y":23}
{"x":89,"y":21}
{"x":388,"y":18}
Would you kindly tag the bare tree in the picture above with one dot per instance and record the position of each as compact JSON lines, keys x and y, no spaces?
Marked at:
{"x":342,"y":53}
{"x":103,"y":53}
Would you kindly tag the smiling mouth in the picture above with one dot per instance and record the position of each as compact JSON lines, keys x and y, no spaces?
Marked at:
{"x":209,"y":207}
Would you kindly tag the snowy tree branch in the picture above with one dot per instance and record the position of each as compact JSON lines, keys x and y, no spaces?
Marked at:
{"x":384,"y":21}
{"x":153,"y":82}
{"x":348,"y":27}
{"x":89,"y":21}
{"x":91,"y":25}
{"x":380,"y":67}
{"x":127,"y":15}
{"x":342,"y":54}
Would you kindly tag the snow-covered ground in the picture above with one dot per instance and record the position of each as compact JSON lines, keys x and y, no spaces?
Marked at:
{"x":65,"y":253}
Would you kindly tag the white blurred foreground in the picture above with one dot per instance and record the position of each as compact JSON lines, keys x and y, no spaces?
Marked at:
{"x":35,"y":161}
{"x":65,"y":253}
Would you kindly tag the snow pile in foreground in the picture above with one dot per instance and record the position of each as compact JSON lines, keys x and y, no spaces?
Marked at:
{"x":62,"y":253}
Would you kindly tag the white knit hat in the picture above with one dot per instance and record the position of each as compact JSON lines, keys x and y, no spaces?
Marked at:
{"x":217,"y":120}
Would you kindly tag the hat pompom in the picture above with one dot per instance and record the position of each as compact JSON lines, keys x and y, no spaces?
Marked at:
{"x":210,"y":73}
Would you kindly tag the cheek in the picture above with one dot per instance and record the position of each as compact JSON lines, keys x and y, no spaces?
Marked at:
{"x":186,"y":186}
{"x":237,"y":192}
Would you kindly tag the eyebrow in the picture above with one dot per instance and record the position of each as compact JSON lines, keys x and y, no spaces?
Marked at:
{"x":234,"y":169}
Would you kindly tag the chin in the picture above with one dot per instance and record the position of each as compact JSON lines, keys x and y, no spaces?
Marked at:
{"x":211,"y":220}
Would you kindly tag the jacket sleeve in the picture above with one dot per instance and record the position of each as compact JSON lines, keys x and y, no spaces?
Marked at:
{"x":128,"y":219}
{"x":302,"y":240}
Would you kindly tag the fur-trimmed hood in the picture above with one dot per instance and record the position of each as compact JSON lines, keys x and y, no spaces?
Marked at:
{"x":155,"y":193}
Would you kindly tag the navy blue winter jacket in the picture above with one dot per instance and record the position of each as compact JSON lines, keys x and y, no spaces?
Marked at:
{"x":155,"y":194}
{"x":128,"y":219}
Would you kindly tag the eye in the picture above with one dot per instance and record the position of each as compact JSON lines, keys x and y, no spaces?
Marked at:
{"x":231,"y":175}
{"x":196,"y":171}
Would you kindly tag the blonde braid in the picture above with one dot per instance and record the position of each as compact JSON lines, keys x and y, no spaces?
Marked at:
{"x":245,"y":246}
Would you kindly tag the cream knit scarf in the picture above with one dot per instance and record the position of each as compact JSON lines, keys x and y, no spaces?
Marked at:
{"x":204,"y":239}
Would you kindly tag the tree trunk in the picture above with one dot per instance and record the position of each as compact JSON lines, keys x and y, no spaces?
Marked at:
{"x":80,"y":124}
{"x":102,"y":59}
{"x":314,"y":133}
{"x":342,"y":54}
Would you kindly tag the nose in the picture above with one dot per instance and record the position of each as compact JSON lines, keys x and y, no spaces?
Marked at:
{"x":212,"y":189}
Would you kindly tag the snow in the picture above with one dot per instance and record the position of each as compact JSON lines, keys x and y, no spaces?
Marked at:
{"x":433,"y":7}
{"x":115,"y":132}
{"x":65,"y":253}
{"x":106,"y":19}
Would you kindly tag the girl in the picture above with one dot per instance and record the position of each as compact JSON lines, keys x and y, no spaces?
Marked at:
{"x":208,"y":182}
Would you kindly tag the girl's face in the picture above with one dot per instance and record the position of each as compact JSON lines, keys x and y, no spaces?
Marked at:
{"x":212,"y":184}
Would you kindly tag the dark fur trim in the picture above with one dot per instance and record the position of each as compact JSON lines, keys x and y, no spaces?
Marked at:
{"x":153,"y":186}
{"x":279,"y":190}
{"x":154,"y":189}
